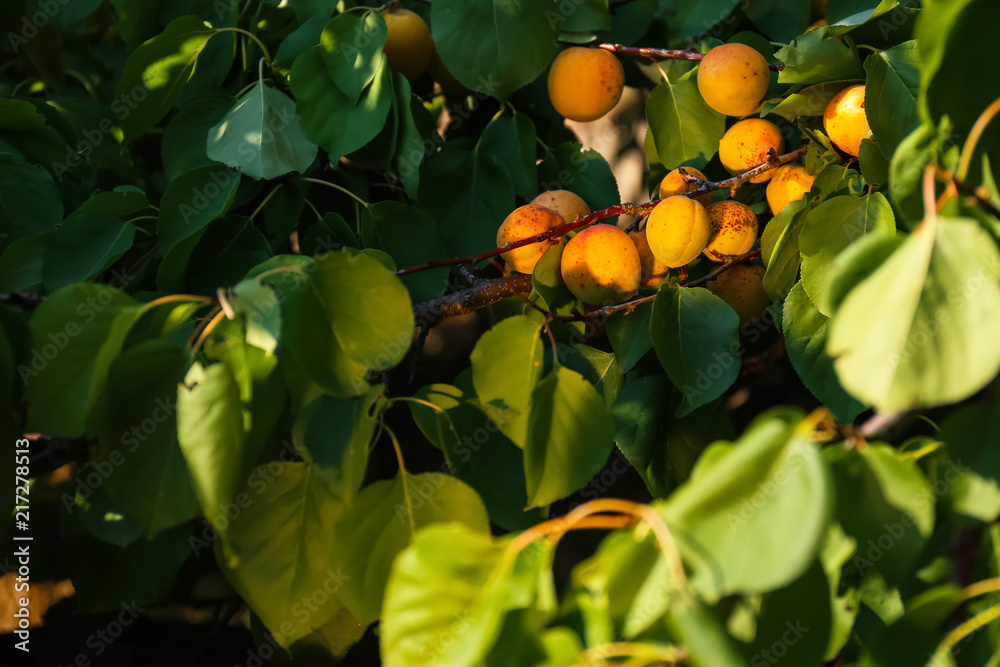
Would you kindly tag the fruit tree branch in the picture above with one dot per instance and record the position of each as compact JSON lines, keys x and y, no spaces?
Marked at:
{"x":481,"y":294}
{"x":663,"y":54}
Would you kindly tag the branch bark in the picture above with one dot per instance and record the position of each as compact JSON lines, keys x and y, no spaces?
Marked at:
{"x":484,"y":293}
{"x":663,"y":54}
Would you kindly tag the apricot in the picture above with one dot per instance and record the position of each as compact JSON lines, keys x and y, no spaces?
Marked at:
{"x":845,"y":120}
{"x":733,"y":79}
{"x":601,"y":265}
{"x":734,"y":229}
{"x":585,"y":84}
{"x":567,"y":204}
{"x":790,"y":183}
{"x":653,"y":270}
{"x":821,"y":23}
{"x":746,"y":144}
{"x":742,"y":287}
{"x":677,"y":230}
{"x":408,"y":45}
{"x":674,"y":183}
{"x":522,"y":223}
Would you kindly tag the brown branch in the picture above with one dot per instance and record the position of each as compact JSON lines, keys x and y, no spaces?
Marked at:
{"x":662,"y":54}
{"x":980,"y":196}
{"x":482,"y":294}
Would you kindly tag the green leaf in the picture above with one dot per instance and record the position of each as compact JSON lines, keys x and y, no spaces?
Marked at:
{"x":811,"y":58}
{"x":693,"y":19}
{"x":506,"y":367}
{"x":261,"y":136}
{"x":923,"y":343}
{"x":829,"y":228}
{"x":340,"y":316}
{"x":336,"y":433}
{"x":352,"y":51}
{"x":703,"y":634}
{"x":914,"y":637}
{"x":569,"y":438}
{"x":410,"y":236}
{"x":886,"y":503}
{"x":448,"y":593}
{"x":227,"y":249}
{"x":327,"y":115}
{"x":755,"y":521}
{"x":779,"y":20}
{"x":696,"y":338}
{"x":661,"y":447}
{"x":629,"y":336}
{"x":22,"y":264}
{"x":810,"y":101}
{"x":806,"y":332}
{"x":585,"y":172}
{"x":973,"y":469}
{"x":29,"y":201}
{"x":496,"y":46}
{"x":891,"y":90}
{"x":684,"y":127}
{"x":210,"y":432}
{"x":186,"y":135}
{"x":139,"y":456}
{"x":470,"y":194}
{"x":477,"y":453}
{"x":796,"y":618}
{"x":192,"y":200}
{"x":76,"y":333}
{"x":83,"y":247}
{"x":157,"y":71}
{"x":780,"y":249}
{"x":283,"y":534}
{"x":382,"y":522}
{"x":512,"y":141}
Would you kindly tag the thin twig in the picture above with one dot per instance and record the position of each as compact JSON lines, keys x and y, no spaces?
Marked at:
{"x":662,"y":54}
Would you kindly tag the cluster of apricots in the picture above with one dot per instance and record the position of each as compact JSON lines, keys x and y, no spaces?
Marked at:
{"x":603,"y":264}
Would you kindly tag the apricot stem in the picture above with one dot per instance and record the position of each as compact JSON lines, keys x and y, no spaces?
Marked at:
{"x":977,"y":131}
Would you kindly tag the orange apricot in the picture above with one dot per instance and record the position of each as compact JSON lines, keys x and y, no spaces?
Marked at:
{"x":734,"y":229}
{"x":408,"y":45}
{"x":746,"y":144}
{"x":585,"y":84}
{"x":845,"y":120}
{"x":567,"y":204}
{"x":790,"y":183}
{"x":674,"y":183}
{"x":742,"y":287}
{"x":653,"y":270}
{"x":677,"y":230}
{"x":733,"y":79}
{"x":522,"y":223}
{"x":600,"y":265}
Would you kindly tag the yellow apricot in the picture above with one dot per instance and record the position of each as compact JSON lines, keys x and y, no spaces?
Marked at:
{"x":585,"y":84}
{"x":408,"y":45}
{"x":677,"y":230}
{"x":653,"y":270}
{"x":845,"y":120}
{"x":790,"y":183}
{"x":567,"y":204}
{"x":733,"y":79}
{"x":674,"y":183}
{"x":742,"y":287}
{"x":601,"y":265}
{"x":746,"y":144}
{"x":522,"y":223}
{"x":734,"y":229}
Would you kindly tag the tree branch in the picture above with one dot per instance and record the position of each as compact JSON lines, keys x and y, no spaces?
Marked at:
{"x":663,"y":54}
{"x":482,"y":294}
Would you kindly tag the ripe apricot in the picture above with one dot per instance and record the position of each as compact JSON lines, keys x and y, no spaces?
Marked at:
{"x":565,"y":203}
{"x":742,"y":287}
{"x":674,"y":183}
{"x":522,"y":223}
{"x":585,"y":84}
{"x":734,"y":229}
{"x":746,"y":144}
{"x":845,"y":120}
{"x":409,"y":45}
{"x":653,"y":270}
{"x":733,"y":79}
{"x":601,"y":265}
{"x":677,"y":230}
{"x":790,"y":183}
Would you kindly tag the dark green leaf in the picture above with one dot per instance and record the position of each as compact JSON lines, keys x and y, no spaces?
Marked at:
{"x":683,"y":126}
